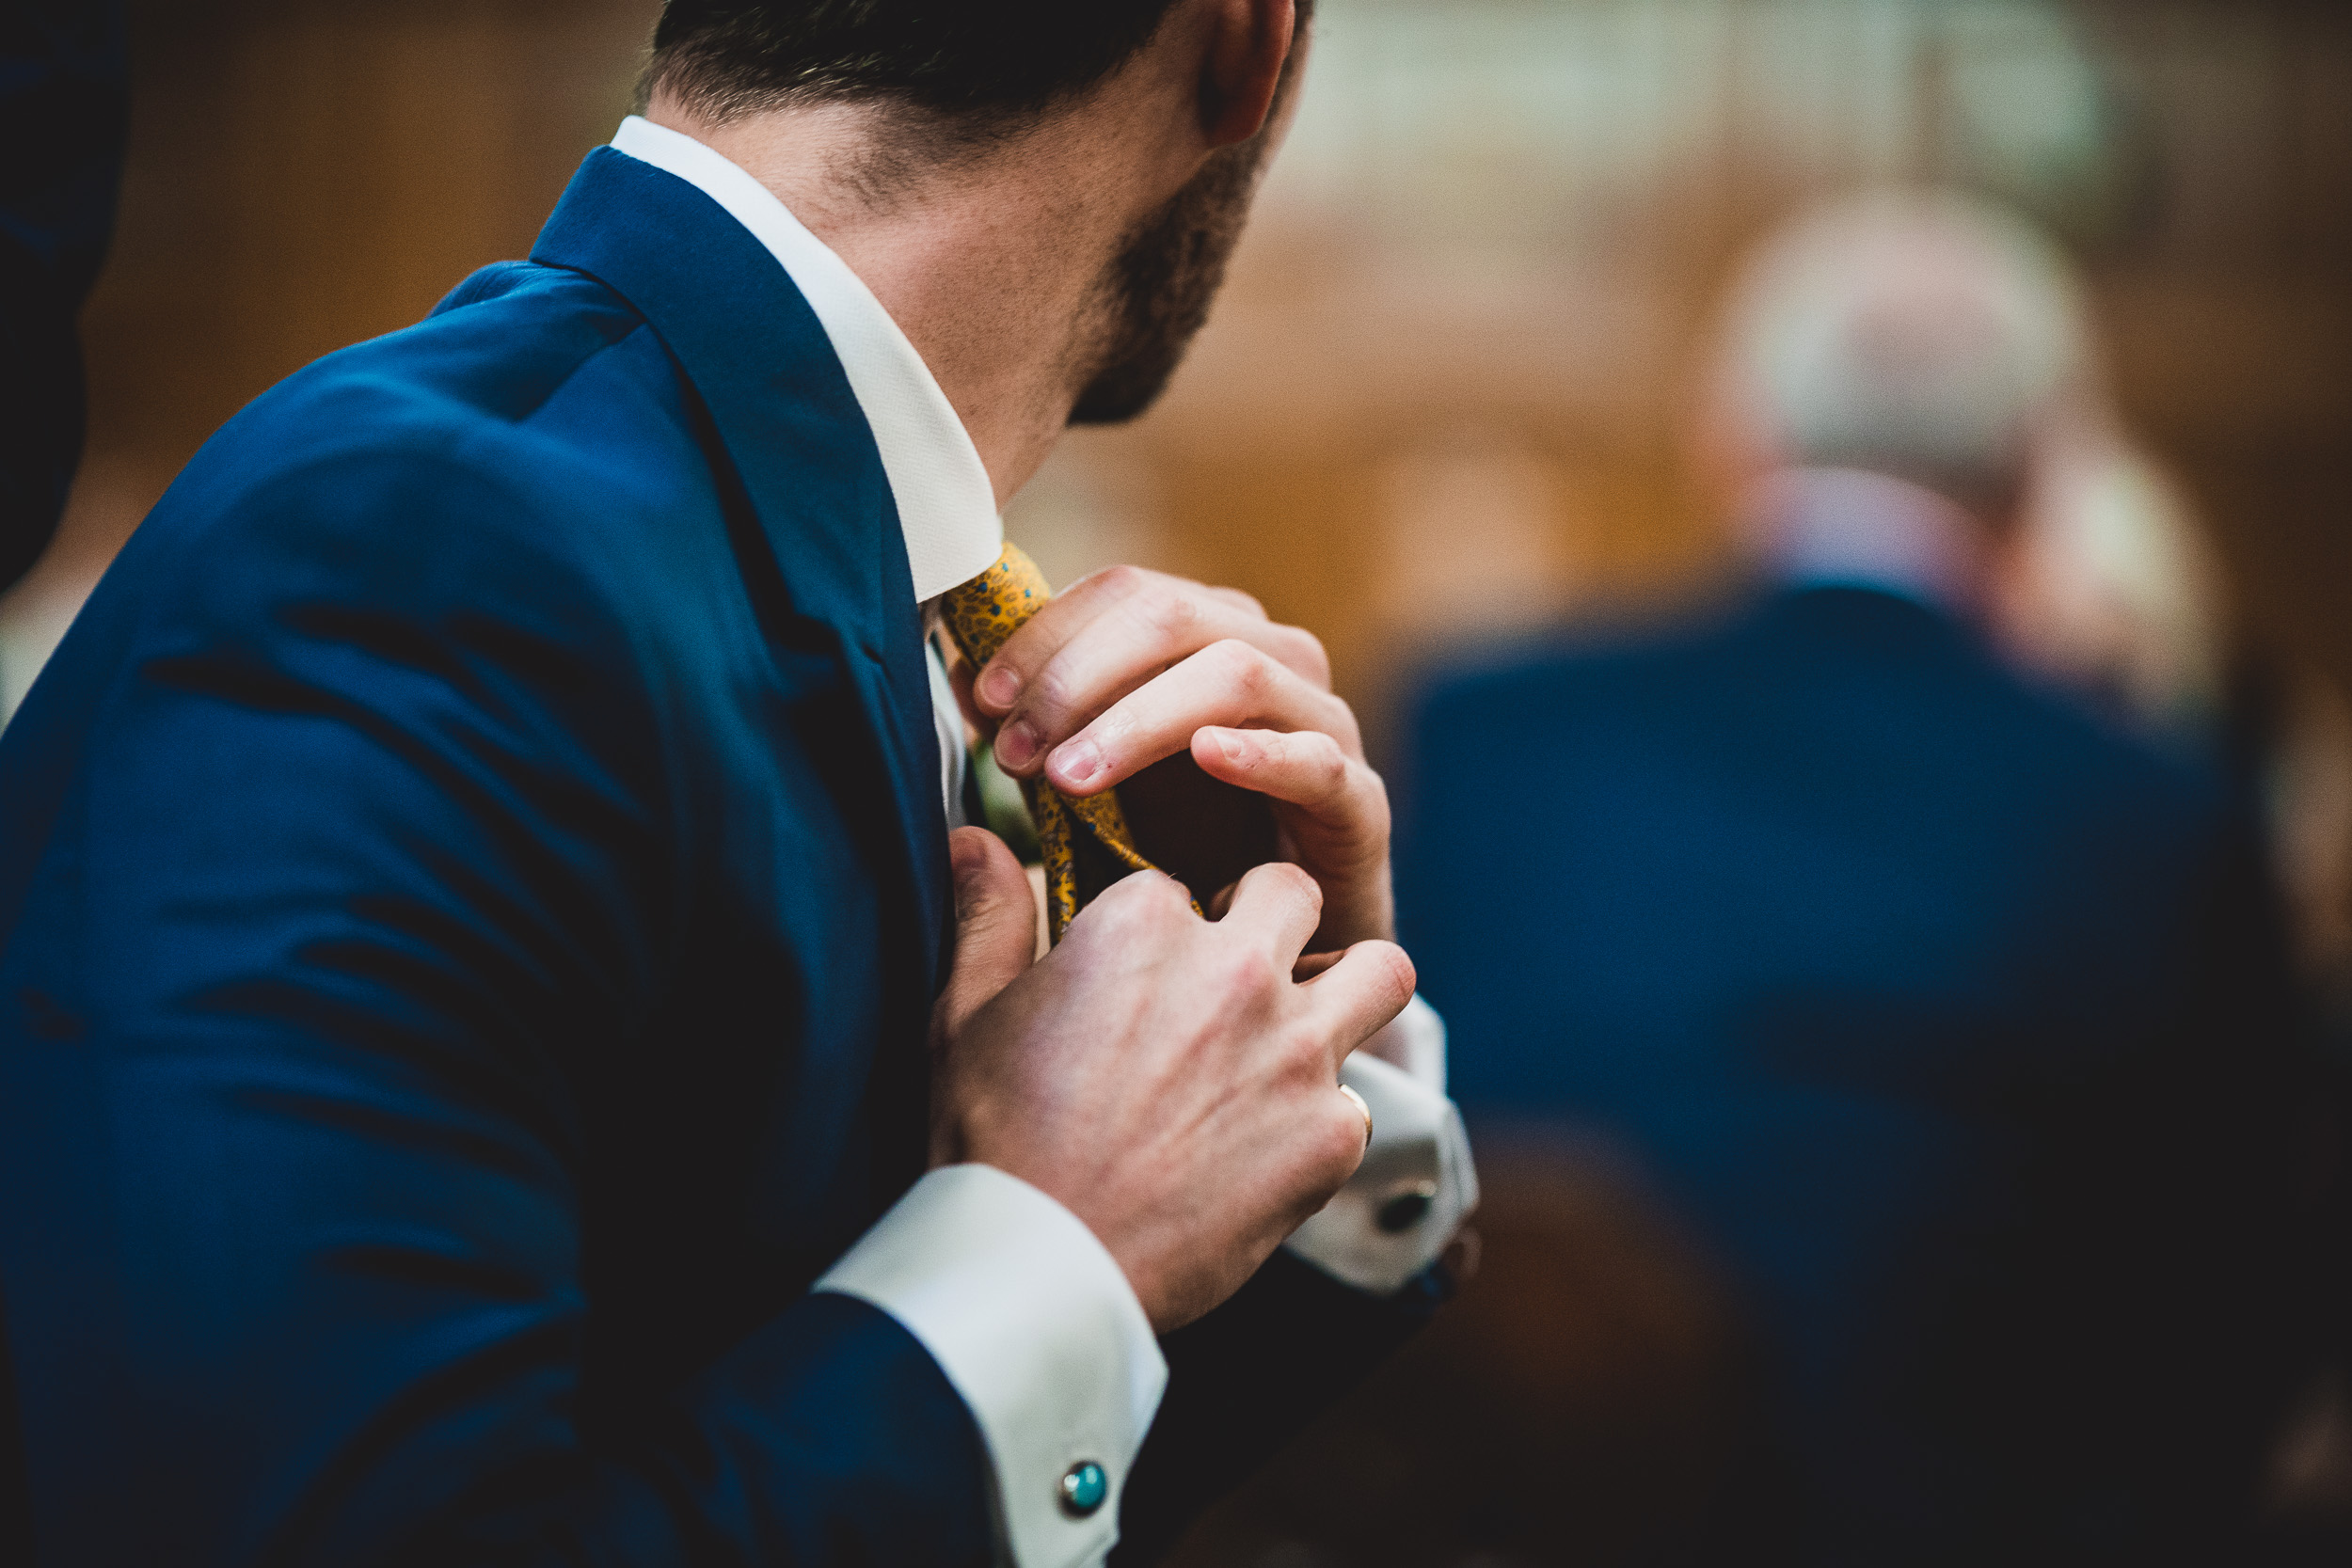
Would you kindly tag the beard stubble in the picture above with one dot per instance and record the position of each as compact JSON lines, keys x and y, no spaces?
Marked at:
{"x":1162,"y":282}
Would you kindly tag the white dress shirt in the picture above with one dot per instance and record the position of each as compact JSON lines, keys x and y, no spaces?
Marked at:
{"x":1025,"y":1310}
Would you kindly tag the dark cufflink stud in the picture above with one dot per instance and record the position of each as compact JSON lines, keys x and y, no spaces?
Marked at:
{"x":1406,"y":1209}
{"x":1084,"y":1488}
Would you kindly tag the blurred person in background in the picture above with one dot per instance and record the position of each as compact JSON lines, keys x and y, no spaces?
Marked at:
{"x":2110,"y":586}
{"x":1954,"y":1020}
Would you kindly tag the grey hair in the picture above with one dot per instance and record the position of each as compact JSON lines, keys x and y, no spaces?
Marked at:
{"x":1920,"y":334}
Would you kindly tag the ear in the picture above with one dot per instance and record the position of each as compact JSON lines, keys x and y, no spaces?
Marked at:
{"x":1247,"y":49}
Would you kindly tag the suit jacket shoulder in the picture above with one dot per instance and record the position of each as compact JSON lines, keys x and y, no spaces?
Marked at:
{"x":465,"y":966}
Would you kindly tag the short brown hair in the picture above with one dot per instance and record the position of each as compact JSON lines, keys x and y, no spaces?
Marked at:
{"x":990,"y":61}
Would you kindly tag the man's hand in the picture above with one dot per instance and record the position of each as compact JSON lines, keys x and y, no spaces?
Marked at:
{"x":1130,"y":667}
{"x":1161,"y":1076}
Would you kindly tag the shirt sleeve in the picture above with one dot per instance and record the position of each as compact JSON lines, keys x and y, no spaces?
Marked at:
{"x":1035,"y":1325}
{"x":1417,"y":1184}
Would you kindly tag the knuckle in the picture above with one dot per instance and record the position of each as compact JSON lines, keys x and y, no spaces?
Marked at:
{"x":1110,"y":918}
{"x":1306,"y":1053}
{"x":1115,"y":901}
{"x":1172,"y":612}
{"x":1247,"y":973}
{"x":1132,"y":903}
{"x":1294,"y":880}
{"x":1244,"y":666}
{"x":1123,"y":581}
{"x":1169,"y":899}
{"x":1051,"y":690}
{"x":1149,"y":895}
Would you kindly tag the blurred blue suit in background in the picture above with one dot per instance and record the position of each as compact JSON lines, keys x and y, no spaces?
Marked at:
{"x":1956,"y":1026}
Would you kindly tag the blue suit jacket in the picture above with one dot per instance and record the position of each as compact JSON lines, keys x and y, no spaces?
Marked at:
{"x":1956,"y":1026}
{"x":473,"y":888}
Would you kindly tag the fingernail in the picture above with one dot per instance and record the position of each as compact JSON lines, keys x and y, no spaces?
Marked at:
{"x":1078,"y":762}
{"x":998,"y":687}
{"x":1016,"y":745}
{"x":1230,"y":742}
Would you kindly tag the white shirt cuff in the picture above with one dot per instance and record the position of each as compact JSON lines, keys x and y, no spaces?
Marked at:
{"x":1034,"y":1322}
{"x":1417,"y":1184}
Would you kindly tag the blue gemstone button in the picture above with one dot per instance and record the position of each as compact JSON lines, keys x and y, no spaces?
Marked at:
{"x":1084,"y":1488}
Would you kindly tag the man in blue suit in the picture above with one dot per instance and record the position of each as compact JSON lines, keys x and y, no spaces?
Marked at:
{"x":505,"y":1053}
{"x":1953,"y":1022}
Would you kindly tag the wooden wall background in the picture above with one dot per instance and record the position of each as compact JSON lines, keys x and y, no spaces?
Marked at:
{"x":1442,"y":392}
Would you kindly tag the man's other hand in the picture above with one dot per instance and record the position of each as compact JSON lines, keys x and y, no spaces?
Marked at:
{"x":1130,"y":667}
{"x":1162,"y":1077}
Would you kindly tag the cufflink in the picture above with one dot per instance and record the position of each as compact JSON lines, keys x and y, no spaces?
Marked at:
{"x":1402,"y":1210}
{"x":1084,"y":1488}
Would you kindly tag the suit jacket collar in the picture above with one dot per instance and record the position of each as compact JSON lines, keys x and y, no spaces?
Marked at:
{"x":784,"y":411}
{"x":947,"y":503}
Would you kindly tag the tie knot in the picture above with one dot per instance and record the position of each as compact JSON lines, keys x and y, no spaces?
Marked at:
{"x":1084,"y":843}
{"x":981,"y":614}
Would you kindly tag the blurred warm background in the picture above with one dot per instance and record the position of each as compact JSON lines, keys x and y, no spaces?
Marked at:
{"x":1442,"y":395}
{"x":1443,"y":399}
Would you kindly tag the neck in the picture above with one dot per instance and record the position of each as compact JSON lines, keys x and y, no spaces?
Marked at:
{"x":991,"y":261}
{"x":1847,"y":526}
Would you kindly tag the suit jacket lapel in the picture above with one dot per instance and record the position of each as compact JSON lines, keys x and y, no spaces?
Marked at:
{"x":756,"y":353}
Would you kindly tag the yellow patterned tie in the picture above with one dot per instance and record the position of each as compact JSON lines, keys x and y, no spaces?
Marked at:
{"x":1084,"y":841}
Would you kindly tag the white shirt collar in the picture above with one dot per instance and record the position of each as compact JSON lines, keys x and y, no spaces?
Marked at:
{"x":947,"y":506}
{"x":1823,"y":528}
